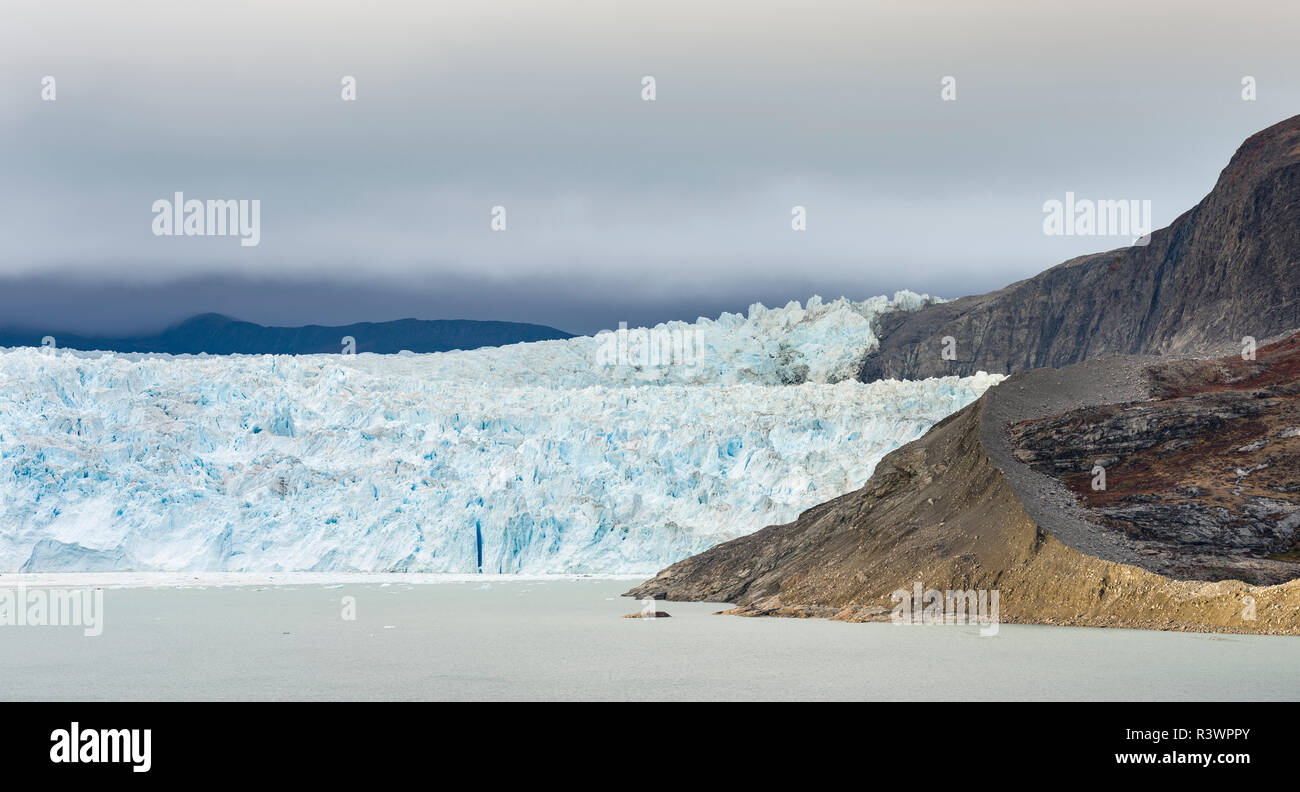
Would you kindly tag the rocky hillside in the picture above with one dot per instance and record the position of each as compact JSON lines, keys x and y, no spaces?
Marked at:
{"x":982,"y":502}
{"x":1203,"y":479}
{"x":1225,"y":269}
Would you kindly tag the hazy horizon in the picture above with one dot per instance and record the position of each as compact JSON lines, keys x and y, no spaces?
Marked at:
{"x":619,"y":209}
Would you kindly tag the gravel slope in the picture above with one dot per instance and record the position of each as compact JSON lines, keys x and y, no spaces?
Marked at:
{"x":956,"y":510}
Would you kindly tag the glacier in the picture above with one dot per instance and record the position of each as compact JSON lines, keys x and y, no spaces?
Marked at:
{"x":819,"y":342}
{"x":534,"y":457}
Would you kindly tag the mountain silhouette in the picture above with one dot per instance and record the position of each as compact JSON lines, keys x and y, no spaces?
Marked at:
{"x":216,"y":334}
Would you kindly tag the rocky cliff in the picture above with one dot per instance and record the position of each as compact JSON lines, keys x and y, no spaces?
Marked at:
{"x":1194,"y":522}
{"x":991,"y":499}
{"x":1227,"y":268}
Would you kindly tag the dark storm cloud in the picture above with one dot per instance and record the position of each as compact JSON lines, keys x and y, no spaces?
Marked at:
{"x":618,"y":209}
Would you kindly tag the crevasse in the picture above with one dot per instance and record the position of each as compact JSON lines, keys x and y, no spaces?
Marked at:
{"x":560,"y":463}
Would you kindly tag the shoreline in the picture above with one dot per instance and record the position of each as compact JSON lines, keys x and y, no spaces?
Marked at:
{"x":223,"y":579}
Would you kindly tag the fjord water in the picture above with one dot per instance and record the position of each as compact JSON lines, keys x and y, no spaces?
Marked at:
{"x":566,"y":638}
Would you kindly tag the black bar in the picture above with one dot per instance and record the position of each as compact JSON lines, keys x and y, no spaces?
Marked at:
{"x":216,"y":742}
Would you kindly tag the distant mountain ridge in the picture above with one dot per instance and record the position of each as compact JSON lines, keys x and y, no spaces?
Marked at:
{"x":1227,"y":268}
{"x":216,"y":334}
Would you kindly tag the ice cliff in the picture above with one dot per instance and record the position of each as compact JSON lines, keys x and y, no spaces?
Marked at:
{"x":595,"y":454}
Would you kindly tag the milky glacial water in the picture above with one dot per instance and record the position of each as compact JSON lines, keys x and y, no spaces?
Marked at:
{"x":566,"y":639}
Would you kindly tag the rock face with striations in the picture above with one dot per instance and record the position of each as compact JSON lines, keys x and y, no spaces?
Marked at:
{"x":1202,"y":477}
{"x":979,"y":503}
{"x":1198,"y":527}
{"x":1227,"y":268}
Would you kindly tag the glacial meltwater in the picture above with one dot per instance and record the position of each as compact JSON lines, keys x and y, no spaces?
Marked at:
{"x":490,"y":638}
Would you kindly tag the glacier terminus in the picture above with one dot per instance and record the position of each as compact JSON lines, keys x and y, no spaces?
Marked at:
{"x":530,"y":458}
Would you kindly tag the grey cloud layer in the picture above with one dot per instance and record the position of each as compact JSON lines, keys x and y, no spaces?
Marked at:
{"x":761,"y":106}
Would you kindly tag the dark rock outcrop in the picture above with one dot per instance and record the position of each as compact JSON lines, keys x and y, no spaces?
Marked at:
{"x":1197,"y":528}
{"x":1226,"y":269}
{"x":959,"y":509}
{"x":1203,"y":478}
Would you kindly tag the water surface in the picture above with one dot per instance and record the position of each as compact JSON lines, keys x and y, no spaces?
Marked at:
{"x":566,"y":639}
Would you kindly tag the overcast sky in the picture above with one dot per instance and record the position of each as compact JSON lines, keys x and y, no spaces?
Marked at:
{"x":617,"y":208}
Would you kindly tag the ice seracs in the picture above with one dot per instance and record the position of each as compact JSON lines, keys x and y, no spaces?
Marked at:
{"x":405,"y":463}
